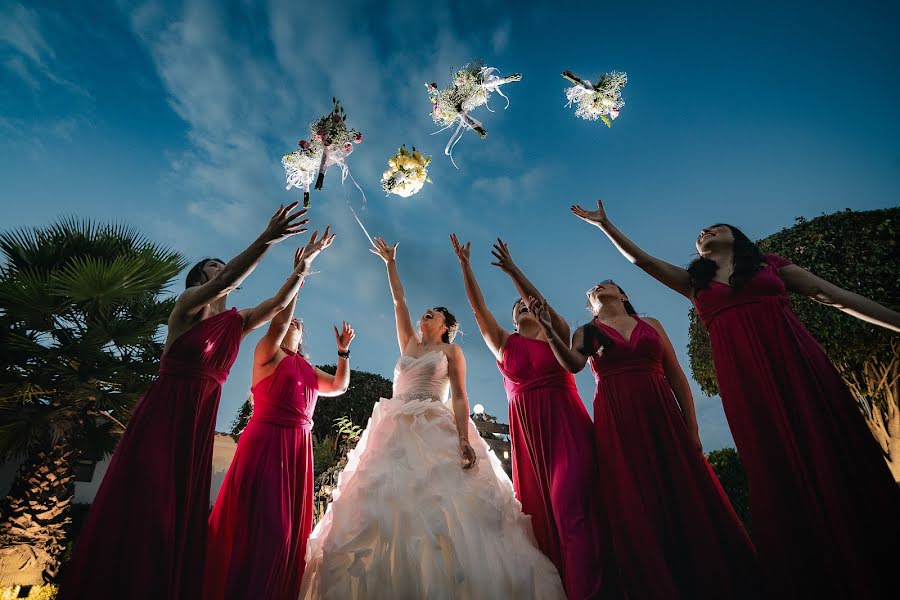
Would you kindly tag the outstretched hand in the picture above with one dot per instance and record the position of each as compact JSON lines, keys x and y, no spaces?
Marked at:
{"x":594,"y":217}
{"x":539,"y":309}
{"x":284,"y":224}
{"x":387,"y":253}
{"x":462,"y":250}
{"x":344,"y":337}
{"x":504,"y":259}
{"x":468,"y":453}
{"x":304,"y":259}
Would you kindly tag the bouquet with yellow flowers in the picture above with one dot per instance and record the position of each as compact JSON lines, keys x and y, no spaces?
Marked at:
{"x":407,"y":172}
{"x":330,"y":143}
{"x":602,"y":100}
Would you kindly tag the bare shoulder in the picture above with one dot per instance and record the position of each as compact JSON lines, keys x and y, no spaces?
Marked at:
{"x":453,"y":352}
{"x":654,"y":323}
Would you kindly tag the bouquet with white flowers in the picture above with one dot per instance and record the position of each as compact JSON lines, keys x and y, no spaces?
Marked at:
{"x":601,"y":100}
{"x":472,"y":86}
{"x":330,"y":143}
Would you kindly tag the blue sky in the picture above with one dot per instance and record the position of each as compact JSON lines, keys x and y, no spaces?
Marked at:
{"x":173,"y":117}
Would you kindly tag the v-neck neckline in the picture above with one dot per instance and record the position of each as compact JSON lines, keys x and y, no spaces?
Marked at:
{"x":637,"y":323}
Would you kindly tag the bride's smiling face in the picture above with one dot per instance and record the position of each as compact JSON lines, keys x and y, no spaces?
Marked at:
{"x":433,"y":321}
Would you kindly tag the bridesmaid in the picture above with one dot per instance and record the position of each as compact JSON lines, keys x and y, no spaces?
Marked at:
{"x":674,"y":530}
{"x":554,"y":467}
{"x":145,"y":535}
{"x":821,"y":496}
{"x":263,"y":514}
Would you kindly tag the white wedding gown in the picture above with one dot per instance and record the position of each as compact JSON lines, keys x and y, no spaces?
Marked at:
{"x":407,"y":521}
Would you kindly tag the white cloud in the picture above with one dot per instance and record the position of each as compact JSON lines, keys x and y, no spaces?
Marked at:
{"x":506,"y":188}
{"x":20,"y":29}
{"x":33,"y":57}
{"x":500,"y":38}
{"x":16,"y":64}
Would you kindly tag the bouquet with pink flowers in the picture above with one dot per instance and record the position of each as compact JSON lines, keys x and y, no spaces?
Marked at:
{"x":472,"y":86}
{"x":601,"y":100}
{"x":330,"y":143}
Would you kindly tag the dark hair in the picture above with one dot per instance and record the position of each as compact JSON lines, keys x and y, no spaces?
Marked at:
{"x":451,"y":323}
{"x":594,"y":338}
{"x":746,"y":256}
{"x":515,"y":305}
{"x":196,"y":276}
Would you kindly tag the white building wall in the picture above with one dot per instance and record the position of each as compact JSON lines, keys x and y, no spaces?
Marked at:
{"x":223,"y":452}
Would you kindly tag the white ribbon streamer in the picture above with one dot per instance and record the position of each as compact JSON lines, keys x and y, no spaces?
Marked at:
{"x":492,"y":83}
{"x":465,"y":122}
{"x":576,"y":93}
{"x":339,"y":157}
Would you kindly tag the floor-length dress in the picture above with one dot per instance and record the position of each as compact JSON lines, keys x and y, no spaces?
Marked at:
{"x":554,"y":465}
{"x":407,"y":521}
{"x":263,"y":513}
{"x":145,"y":535}
{"x":675,"y":532}
{"x":823,"y":501}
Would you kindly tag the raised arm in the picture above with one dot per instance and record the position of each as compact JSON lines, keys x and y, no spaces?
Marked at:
{"x":456,"y":367}
{"x":568,"y":355}
{"x":282,"y":225}
{"x":801,"y":281}
{"x":268,"y":309}
{"x":525,"y":288}
{"x":679,"y":383}
{"x":494,"y":335}
{"x":388,"y":254}
{"x":666,"y":273}
{"x":337,"y":384}
{"x":267,"y":347}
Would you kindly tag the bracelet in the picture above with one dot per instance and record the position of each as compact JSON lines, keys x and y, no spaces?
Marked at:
{"x":345,"y":354}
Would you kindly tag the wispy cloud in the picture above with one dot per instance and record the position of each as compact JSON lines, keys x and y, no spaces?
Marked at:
{"x":500,"y":39}
{"x":20,"y":29}
{"x":30,"y":56}
{"x":506,"y":188}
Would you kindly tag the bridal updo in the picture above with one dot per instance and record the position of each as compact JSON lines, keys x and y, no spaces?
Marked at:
{"x":451,"y":323}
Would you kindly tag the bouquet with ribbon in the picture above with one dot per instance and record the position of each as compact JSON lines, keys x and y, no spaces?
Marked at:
{"x":602,"y":100}
{"x":330,"y":143}
{"x":472,"y":86}
{"x":407,"y":172}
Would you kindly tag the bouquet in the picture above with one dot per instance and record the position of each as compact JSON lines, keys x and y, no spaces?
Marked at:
{"x":407,"y":172}
{"x":472,"y":86}
{"x":602,"y":100}
{"x":330,"y":143}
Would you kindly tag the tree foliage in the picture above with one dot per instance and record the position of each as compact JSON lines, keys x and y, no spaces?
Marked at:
{"x":727,"y":466}
{"x":81,"y":307}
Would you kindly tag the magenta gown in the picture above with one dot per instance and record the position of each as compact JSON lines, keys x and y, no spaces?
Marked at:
{"x":263,"y":514}
{"x":145,"y":535}
{"x":554,"y":466}
{"x":674,"y":530}
{"x":823,"y":502}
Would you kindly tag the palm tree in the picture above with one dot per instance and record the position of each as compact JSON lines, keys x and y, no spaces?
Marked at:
{"x":81,"y":306}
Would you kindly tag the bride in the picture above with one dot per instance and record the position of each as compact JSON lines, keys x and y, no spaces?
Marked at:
{"x":423,"y":508}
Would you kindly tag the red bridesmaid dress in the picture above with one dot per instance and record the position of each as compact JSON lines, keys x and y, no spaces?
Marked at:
{"x":263,"y":514}
{"x":145,"y":535}
{"x":674,"y":530}
{"x":555,"y":468}
{"x":822,"y":499}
